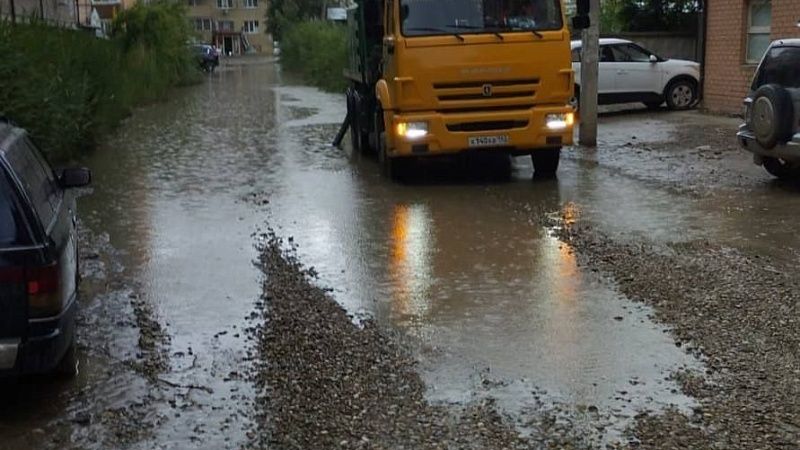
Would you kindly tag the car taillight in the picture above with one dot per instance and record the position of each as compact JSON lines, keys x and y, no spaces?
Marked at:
{"x":44,"y":296}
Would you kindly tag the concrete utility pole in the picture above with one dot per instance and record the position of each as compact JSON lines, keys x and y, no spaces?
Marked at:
{"x":590,"y":54}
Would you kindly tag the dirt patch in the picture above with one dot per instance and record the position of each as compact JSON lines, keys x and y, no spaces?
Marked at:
{"x":738,"y":313}
{"x":328,"y":382}
{"x":685,"y":152}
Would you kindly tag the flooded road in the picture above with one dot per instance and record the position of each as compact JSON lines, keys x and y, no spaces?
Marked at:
{"x":492,"y":302}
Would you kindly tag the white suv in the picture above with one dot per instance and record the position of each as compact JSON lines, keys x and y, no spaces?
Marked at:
{"x":631,"y":74}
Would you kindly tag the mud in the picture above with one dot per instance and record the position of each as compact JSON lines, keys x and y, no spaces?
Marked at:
{"x":738,"y":313}
{"x":644,"y":298}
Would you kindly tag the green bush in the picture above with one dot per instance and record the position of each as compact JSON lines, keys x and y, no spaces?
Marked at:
{"x":68,"y":87}
{"x":317,"y":51}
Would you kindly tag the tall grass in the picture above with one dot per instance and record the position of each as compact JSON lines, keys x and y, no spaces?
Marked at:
{"x":317,"y":51}
{"x":67,"y":87}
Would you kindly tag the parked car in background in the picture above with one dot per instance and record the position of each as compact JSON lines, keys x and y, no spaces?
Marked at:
{"x":771,"y":130}
{"x":207,"y":56}
{"x":38,"y":259}
{"x":630,"y":73}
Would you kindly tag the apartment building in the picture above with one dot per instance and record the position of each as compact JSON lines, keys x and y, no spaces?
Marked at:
{"x":738,"y":33}
{"x":235,"y":26}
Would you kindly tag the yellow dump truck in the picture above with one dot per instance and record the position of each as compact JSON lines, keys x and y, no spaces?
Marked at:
{"x":437,"y":77}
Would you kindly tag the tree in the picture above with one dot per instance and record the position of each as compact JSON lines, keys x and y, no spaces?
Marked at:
{"x":649,"y":15}
{"x":611,"y":18}
{"x":283,"y":13}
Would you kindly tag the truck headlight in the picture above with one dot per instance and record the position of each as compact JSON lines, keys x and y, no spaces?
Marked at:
{"x":558,"y":122}
{"x":412,"y":130}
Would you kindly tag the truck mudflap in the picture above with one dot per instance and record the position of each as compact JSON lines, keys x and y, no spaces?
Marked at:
{"x":516,"y":132}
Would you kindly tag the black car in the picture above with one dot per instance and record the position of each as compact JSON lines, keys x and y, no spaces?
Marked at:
{"x":206,"y":56}
{"x":38,"y":259}
{"x":772,"y":111}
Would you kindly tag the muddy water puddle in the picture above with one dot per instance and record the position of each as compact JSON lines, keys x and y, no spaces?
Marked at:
{"x":495,"y":306}
{"x":169,"y":278}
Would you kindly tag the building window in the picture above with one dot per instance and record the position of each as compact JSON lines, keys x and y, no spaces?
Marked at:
{"x":224,"y":4}
{"x":250,"y":26}
{"x":193,"y":2}
{"x":225,"y":25}
{"x":203,"y":24}
{"x":251,"y":4}
{"x":759,"y":26}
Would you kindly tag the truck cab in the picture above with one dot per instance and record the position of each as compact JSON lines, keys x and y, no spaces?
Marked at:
{"x":438,"y":77}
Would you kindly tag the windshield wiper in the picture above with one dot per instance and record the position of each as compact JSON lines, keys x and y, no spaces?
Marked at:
{"x":473,"y":27}
{"x":437,"y":30}
{"x":537,"y":34}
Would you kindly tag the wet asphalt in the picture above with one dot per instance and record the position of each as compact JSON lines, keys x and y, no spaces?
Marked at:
{"x":491,"y":300}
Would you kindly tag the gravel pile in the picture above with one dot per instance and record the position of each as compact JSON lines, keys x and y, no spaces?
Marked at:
{"x":738,"y":313}
{"x":328,"y":383}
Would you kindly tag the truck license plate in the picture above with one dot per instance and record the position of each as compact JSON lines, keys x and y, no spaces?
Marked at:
{"x":488,"y":141}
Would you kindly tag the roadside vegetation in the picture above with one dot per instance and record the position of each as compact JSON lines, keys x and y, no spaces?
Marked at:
{"x":317,"y":52}
{"x":312,"y":48}
{"x":618,"y":16}
{"x":68,"y":87}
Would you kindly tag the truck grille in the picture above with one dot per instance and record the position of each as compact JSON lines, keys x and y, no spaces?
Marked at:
{"x":485,"y":91}
{"x":487,"y":126}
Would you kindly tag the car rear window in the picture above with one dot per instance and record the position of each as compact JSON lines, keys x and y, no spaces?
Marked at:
{"x":36,"y":178}
{"x":12,"y":229}
{"x":781,"y":66}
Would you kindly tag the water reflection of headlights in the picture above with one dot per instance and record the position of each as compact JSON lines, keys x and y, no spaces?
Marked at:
{"x":410,"y":264}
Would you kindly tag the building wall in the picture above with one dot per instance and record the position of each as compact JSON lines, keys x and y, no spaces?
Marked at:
{"x":727,"y":74}
{"x":238,"y":14}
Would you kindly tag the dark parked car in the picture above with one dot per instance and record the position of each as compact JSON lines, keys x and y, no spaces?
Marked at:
{"x":38,"y":259}
{"x":206,"y":56}
{"x":772,"y":111}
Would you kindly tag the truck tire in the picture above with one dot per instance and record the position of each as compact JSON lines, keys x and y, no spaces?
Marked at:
{"x":772,"y":115}
{"x":545,"y":162}
{"x":781,"y":169}
{"x":392,"y":168}
{"x":681,"y":94}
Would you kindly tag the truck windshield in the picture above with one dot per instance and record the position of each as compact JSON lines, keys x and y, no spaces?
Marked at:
{"x":439,"y":17}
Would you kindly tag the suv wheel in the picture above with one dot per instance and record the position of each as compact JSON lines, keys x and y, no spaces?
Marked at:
{"x":681,"y":94}
{"x":782,"y":169}
{"x":772,"y":115}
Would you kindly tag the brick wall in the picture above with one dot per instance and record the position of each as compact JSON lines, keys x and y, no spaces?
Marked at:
{"x":727,"y":76}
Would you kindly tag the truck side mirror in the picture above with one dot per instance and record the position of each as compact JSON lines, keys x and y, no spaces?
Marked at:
{"x":388,"y":44}
{"x":581,"y":22}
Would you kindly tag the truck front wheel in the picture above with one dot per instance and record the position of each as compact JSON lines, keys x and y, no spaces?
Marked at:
{"x":392,"y":168}
{"x":545,"y":162}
